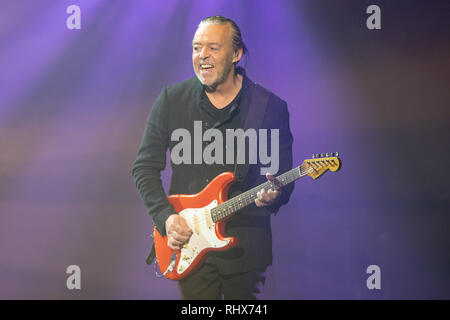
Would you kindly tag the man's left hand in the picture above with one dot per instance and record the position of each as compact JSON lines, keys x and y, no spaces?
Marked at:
{"x":266,"y":198}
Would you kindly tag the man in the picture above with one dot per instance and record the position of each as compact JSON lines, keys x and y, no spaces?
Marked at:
{"x":220,"y":97}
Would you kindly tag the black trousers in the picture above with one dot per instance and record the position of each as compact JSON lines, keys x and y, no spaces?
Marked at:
{"x":208,"y":284}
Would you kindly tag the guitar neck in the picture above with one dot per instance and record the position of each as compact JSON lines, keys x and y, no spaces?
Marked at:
{"x":242,"y":200}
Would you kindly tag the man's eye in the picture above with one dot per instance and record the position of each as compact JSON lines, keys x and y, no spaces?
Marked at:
{"x":214,"y":48}
{"x":196,"y":49}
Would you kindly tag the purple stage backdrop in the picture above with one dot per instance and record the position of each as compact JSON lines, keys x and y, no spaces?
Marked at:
{"x":73,"y":105}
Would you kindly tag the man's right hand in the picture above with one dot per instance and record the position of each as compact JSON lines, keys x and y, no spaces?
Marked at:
{"x":178,"y":232}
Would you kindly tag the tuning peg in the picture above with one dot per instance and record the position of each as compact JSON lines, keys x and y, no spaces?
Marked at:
{"x":334,"y":154}
{"x":313,"y":156}
{"x":327,"y":155}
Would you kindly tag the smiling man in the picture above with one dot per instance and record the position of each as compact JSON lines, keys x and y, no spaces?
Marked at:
{"x":214,"y":56}
{"x":222,"y":97}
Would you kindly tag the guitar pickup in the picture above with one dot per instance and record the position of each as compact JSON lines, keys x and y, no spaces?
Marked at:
{"x":196,"y":225}
{"x":208,"y":219}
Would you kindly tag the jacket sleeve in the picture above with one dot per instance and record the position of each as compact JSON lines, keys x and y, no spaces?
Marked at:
{"x":151,"y":160}
{"x":280,"y":115}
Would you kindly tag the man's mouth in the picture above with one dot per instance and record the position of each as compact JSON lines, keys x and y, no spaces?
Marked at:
{"x":206,"y":66}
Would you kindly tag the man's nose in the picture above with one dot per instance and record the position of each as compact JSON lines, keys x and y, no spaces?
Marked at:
{"x":204,"y":53}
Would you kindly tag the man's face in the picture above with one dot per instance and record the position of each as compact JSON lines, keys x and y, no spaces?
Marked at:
{"x":212,"y":53}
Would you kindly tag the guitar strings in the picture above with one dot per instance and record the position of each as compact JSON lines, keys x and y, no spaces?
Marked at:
{"x":236,"y":202}
{"x":203,"y":219}
{"x":249,"y":196}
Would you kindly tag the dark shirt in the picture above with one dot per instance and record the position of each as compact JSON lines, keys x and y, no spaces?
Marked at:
{"x":220,"y":115}
{"x":179,"y":106}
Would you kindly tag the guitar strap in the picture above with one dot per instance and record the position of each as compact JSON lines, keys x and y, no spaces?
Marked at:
{"x":253,"y":119}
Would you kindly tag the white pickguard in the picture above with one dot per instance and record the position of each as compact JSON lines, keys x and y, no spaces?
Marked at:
{"x":203,"y":235}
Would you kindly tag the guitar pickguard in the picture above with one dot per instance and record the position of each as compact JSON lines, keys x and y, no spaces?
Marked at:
{"x":203,"y":235}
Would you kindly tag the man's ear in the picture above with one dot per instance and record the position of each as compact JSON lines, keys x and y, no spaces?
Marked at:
{"x":237,"y":55}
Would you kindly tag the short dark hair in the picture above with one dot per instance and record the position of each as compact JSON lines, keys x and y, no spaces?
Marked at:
{"x":236,"y":37}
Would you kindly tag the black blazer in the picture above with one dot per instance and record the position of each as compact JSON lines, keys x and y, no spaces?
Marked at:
{"x":178,"y":106}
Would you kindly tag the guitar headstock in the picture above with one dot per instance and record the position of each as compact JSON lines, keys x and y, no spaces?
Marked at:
{"x":320,"y":163}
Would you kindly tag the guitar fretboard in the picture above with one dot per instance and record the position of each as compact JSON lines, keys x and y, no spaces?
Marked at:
{"x":242,"y":200}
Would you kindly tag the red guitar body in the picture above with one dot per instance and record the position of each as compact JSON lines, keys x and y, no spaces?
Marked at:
{"x":207,"y":235}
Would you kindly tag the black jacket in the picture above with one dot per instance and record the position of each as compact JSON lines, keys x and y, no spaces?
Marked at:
{"x":178,"y":106}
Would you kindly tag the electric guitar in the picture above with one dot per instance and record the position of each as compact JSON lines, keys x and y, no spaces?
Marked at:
{"x":207,"y":212}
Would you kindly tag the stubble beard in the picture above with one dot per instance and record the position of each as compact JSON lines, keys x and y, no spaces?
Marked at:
{"x":221,"y":79}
